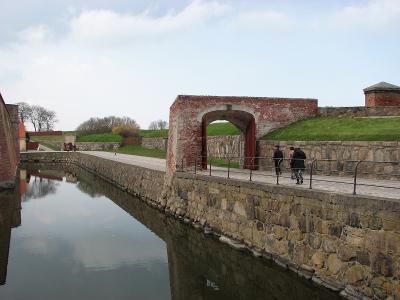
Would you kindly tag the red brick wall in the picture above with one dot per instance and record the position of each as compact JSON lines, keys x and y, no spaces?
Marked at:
{"x":14,"y":118}
{"x":186,"y":115}
{"x":8,"y":138}
{"x":382,"y":98}
{"x":45,"y":133}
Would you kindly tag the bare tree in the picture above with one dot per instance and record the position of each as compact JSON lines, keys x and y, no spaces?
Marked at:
{"x":49,"y":119}
{"x":24,"y":110}
{"x":162,"y":124}
{"x":153,"y":125}
{"x":158,"y":125}
{"x":41,"y":118}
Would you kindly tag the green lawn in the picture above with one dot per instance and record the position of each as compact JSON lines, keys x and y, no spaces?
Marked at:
{"x":154,"y":133}
{"x":339,"y":129}
{"x":52,"y":138}
{"x":225,"y":128}
{"x":139,"y":150}
{"x":102,"y":137}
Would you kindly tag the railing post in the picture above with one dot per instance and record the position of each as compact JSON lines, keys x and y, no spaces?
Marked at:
{"x":195,"y":165}
{"x":355,"y":177}
{"x":251,"y":170}
{"x":229,"y":167}
{"x":182,"y":165}
{"x":210,"y":165}
{"x":311,"y":172}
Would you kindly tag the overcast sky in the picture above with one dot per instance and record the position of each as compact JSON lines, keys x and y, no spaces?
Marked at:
{"x":133,"y":57}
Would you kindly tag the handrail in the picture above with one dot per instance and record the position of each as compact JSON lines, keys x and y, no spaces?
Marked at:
{"x":310,"y":166}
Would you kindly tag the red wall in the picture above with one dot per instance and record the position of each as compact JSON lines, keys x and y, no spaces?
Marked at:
{"x":382,"y":98}
{"x":9,"y":151}
{"x":44,"y":133}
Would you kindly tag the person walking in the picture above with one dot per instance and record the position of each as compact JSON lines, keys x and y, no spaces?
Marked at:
{"x":299,"y":158}
{"x":291,"y":151}
{"x":278,"y":158}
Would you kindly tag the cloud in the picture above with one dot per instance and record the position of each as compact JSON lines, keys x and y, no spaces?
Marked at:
{"x":35,"y":34}
{"x":107,"y":24}
{"x":264,"y":20}
{"x":375,"y":14}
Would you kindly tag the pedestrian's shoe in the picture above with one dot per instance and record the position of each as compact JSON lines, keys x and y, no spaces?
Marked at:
{"x":301,"y":182}
{"x":297,"y":182}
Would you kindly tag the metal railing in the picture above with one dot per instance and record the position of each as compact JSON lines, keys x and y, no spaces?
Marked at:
{"x":259,"y":166}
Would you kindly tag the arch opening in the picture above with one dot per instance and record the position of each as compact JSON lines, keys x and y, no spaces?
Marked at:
{"x":244,"y":121}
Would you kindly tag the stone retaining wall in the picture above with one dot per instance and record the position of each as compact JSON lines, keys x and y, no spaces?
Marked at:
{"x":155,"y":143}
{"x":359,"y":111}
{"x":350,"y":244}
{"x":87,"y":146}
{"x":342,"y":152}
{"x":347,"y":243}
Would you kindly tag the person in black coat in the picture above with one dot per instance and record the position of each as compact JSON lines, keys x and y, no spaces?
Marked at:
{"x":278,"y":158}
{"x":299,"y":158}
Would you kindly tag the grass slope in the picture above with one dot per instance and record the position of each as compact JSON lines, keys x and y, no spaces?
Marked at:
{"x":140,"y":151}
{"x":102,"y":137}
{"x":339,"y":129}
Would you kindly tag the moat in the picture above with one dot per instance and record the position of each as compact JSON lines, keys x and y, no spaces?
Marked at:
{"x":76,"y":236}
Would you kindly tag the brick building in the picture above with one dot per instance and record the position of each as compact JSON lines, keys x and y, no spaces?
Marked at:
{"x":382,"y":94}
{"x":9,"y":143}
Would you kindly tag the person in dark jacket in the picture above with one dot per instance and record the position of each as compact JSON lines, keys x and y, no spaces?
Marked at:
{"x":278,"y":158}
{"x":299,"y":158}
{"x":291,"y":151}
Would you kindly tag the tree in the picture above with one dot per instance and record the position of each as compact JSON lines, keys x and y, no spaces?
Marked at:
{"x":104,"y":125}
{"x":24,"y":111}
{"x":158,"y":125}
{"x":126,"y":130}
{"x":41,"y":118}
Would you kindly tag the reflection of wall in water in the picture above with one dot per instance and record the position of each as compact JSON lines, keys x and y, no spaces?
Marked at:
{"x":10,"y":217}
{"x":203,"y":268}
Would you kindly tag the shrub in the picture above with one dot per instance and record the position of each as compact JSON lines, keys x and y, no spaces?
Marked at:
{"x":126,"y":130}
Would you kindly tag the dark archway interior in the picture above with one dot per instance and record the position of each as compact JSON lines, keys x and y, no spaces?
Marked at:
{"x":244,"y":121}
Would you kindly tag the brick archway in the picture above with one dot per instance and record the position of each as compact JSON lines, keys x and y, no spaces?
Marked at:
{"x":254,"y":116}
{"x":246,"y":124}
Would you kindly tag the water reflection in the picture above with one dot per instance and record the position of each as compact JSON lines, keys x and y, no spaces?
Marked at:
{"x":91,"y":249}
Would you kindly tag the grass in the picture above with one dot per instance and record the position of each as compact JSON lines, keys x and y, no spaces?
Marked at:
{"x":103,"y":137}
{"x":52,"y":138}
{"x":221,"y":162}
{"x":140,"y":151}
{"x":53,"y":147}
{"x":154,"y":133}
{"x":226,"y":128}
{"x":340,"y":129}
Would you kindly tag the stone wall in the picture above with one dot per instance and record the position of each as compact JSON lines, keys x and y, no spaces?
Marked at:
{"x":225,"y":146}
{"x":346,"y":243}
{"x":350,"y":244}
{"x":155,"y":143}
{"x":359,"y":111}
{"x":9,"y":145}
{"x":87,"y":146}
{"x":344,"y":153}
{"x":137,"y":180}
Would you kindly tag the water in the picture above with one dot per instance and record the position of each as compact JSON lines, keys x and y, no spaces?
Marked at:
{"x":75,"y":236}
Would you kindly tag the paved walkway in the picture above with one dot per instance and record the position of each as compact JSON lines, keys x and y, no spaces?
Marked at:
{"x":328,"y":183}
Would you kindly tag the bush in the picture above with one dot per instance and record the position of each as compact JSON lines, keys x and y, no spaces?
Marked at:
{"x":104,"y":125}
{"x":126,"y":130}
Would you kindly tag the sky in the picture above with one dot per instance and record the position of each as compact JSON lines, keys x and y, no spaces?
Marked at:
{"x":132,"y":58}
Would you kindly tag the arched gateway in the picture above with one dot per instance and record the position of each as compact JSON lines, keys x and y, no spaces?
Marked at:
{"x":254,"y":117}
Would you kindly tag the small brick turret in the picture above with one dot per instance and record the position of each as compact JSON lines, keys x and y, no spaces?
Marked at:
{"x":382,"y":94}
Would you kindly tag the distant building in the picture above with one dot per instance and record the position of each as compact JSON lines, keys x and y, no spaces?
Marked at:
{"x":382,"y":94}
{"x":22,"y":137}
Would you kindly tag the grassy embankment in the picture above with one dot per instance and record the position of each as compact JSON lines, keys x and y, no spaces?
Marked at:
{"x":317,"y":129}
{"x":340,"y":129}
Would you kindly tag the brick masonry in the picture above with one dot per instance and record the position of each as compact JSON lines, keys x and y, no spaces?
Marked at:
{"x":187,"y":114}
{"x":350,"y":244}
{"x":9,"y":143}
